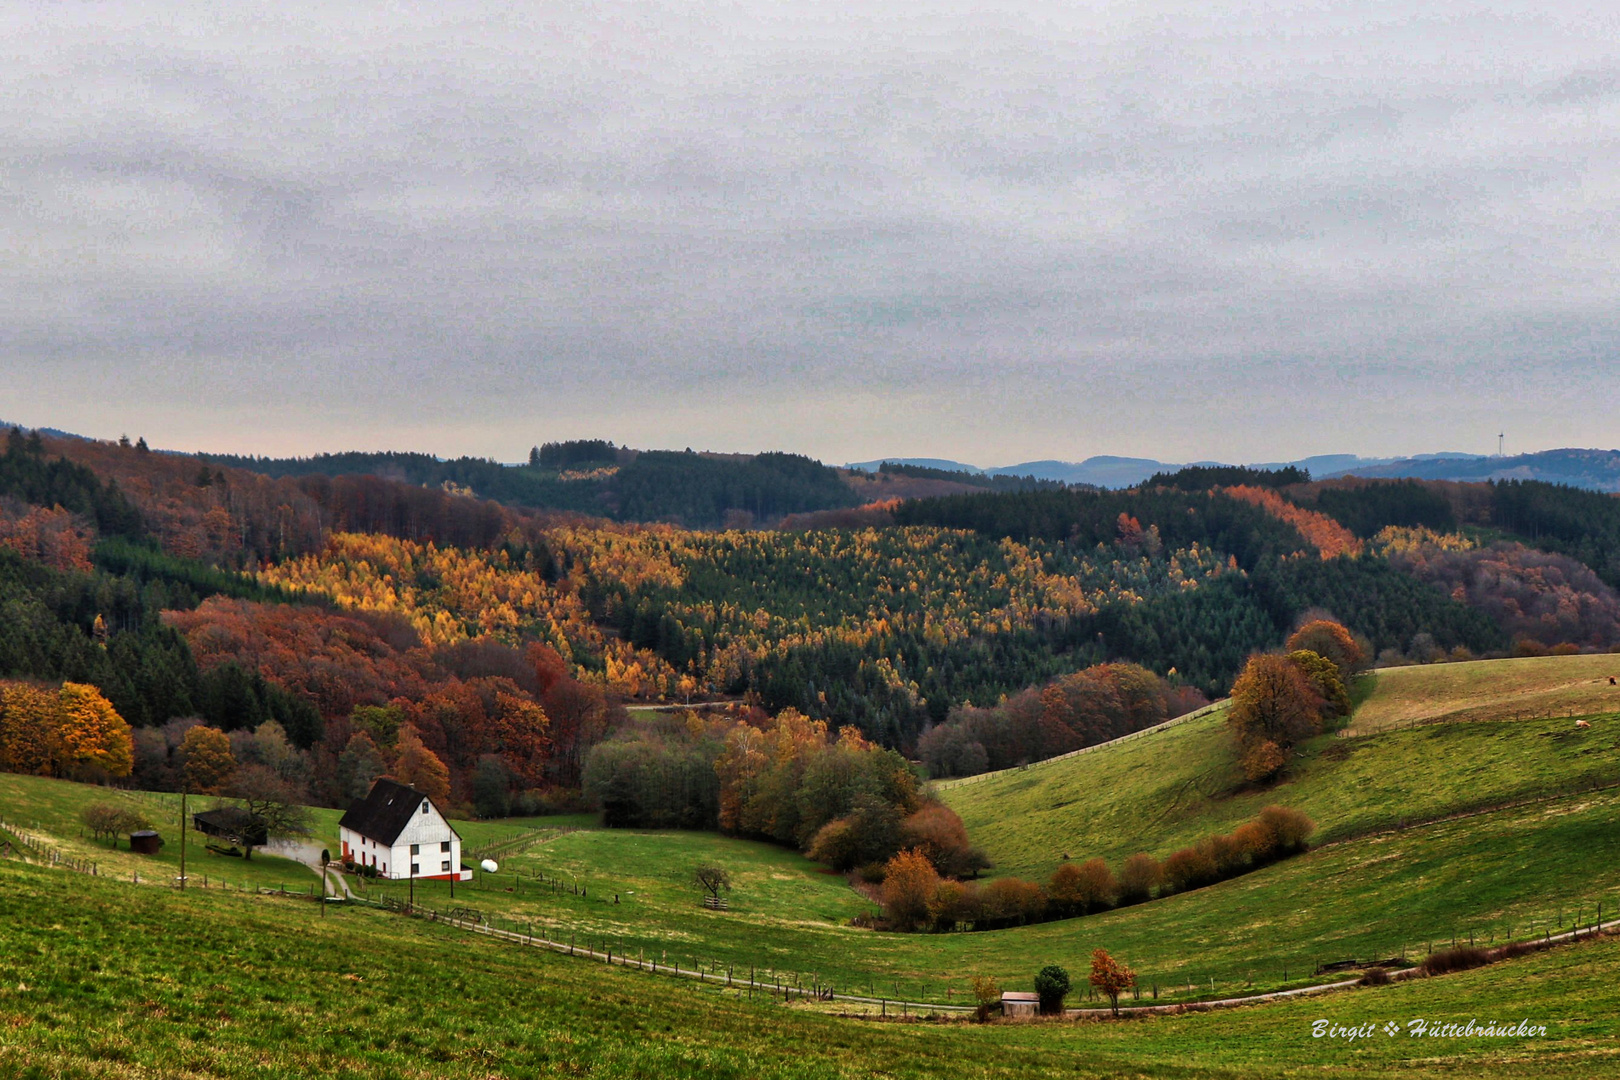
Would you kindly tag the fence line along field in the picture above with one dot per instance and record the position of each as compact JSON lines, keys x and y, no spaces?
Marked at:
{"x":1491,"y":876}
{"x":1490,"y":690}
{"x":107,"y":980}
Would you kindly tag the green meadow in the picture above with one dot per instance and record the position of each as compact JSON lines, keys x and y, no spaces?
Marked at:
{"x":1524,"y":870}
{"x":1509,"y":689}
{"x":1169,"y":788}
{"x":1530,"y":869}
{"x":107,"y":980}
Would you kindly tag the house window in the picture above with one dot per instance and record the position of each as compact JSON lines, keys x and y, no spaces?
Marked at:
{"x":424,"y":806}
{"x":415,"y":869}
{"x":416,"y":849}
{"x":445,"y":866}
{"x":444,"y":845}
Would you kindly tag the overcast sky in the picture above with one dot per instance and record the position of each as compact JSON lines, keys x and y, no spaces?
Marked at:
{"x":989,"y":232}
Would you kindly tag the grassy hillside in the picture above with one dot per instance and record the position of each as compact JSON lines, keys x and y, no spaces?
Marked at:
{"x":1520,"y":871}
{"x":1490,"y":690}
{"x":1524,"y":869}
{"x":1508,"y":871}
{"x":48,"y":810}
{"x":110,"y":981}
{"x":1166,"y":789}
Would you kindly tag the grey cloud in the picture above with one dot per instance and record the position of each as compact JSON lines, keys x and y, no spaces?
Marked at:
{"x":849,"y":229}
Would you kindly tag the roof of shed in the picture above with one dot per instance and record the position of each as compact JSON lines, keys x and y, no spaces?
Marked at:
{"x":383,"y":814}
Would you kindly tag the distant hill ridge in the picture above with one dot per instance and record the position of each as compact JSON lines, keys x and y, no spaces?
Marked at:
{"x":1595,"y":470}
{"x":1592,"y":469}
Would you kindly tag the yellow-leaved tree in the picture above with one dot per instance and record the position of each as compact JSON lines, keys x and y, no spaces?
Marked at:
{"x":206,"y":762}
{"x":94,"y":740}
{"x":30,"y":723}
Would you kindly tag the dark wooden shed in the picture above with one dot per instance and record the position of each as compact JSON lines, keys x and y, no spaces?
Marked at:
{"x":145,"y":842}
{"x":233,"y":824}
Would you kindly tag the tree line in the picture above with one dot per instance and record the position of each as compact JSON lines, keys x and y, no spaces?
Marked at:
{"x":788,"y":779}
{"x":595,"y":477}
{"x":1082,"y":709}
{"x":918,"y":896}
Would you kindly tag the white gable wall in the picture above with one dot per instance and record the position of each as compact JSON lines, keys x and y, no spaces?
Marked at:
{"x":429,"y":832}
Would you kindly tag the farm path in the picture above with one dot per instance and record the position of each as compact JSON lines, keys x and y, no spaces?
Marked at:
{"x":309,"y":853}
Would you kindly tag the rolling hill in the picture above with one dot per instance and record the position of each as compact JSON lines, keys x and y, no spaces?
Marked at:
{"x":106,"y":980}
{"x":1381,"y":884}
{"x":1166,"y":788}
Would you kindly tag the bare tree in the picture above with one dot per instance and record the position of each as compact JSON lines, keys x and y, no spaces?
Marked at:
{"x":272,"y":805}
{"x":109,"y":819}
{"x":712,"y":879}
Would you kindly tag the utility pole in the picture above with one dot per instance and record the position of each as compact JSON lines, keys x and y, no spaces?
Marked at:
{"x":326,"y":860}
{"x":183,"y":788}
{"x":1499,"y":437}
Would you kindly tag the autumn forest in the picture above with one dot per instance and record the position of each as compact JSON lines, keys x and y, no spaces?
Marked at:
{"x":497,"y":634}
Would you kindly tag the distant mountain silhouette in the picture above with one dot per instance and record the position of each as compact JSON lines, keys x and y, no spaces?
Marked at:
{"x":55,"y":433}
{"x":1109,"y":471}
{"x":1101,"y":471}
{"x":1595,"y":470}
{"x":926,"y":462}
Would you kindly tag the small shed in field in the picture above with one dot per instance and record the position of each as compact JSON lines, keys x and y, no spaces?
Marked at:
{"x":1017,"y":1004}
{"x":145,"y":842}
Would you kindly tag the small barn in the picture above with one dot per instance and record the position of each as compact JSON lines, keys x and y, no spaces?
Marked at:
{"x":145,"y":842}
{"x":1014,"y":1003}
{"x":402,"y":834}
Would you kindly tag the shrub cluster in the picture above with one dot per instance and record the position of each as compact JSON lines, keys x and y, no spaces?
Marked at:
{"x":917,"y":897}
{"x":1460,"y":958}
{"x":841,"y":799}
{"x":1279,"y":701}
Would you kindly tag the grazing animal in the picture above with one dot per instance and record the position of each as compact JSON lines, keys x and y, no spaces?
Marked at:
{"x":1583,"y":723}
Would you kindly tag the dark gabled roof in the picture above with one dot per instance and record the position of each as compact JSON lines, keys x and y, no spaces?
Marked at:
{"x":383,"y":814}
{"x":233,"y":823}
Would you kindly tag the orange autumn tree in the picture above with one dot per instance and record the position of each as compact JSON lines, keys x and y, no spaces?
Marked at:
{"x":1332,"y":640}
{"x":520,"y":728}
{"x":94,"y":740}
{"x":30,"y":721}
{"x":1274,"y":706}
{"x":909,"y":883}
{"x":1326,"y":535}
{"x":1110,"y":978}
{"x":420,"y":768}
{"x":1079,"y":888}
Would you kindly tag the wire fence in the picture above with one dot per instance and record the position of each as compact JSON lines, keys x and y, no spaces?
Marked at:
{"x":519,"y":843}
{"x":1581,"y":920}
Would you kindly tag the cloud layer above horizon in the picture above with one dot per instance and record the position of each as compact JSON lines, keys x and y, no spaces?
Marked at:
{"x":1247,"y":231}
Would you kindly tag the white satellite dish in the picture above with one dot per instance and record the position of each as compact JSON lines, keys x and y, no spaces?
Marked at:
{"x":490,"y":866}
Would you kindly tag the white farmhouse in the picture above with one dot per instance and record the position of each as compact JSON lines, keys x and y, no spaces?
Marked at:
{"x":398,"y":830}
